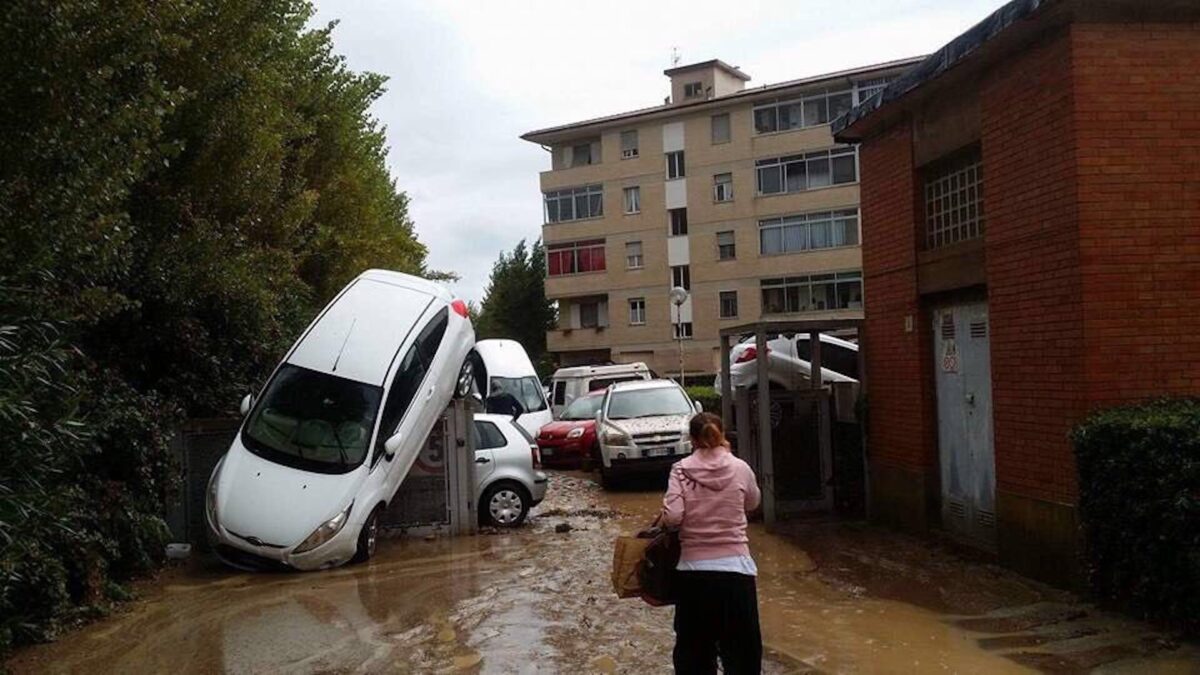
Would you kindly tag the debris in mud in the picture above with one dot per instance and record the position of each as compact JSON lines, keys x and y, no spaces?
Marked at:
{"x":602,"y":514}
{"x":562,"y":527}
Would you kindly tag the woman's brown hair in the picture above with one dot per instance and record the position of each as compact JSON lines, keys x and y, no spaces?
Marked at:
{"x":707,"y":431}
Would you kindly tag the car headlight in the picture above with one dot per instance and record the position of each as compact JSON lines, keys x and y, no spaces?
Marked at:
{"x":616,"y":437}
{"x":210,"y":504}
{"x":575,"y":433}
{"x":328,"y":530}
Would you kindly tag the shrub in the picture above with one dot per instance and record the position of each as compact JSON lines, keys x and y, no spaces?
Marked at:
{"x":1139,"y":477}
{"x":708,"y":397}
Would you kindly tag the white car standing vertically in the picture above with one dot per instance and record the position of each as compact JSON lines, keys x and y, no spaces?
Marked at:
{"x":338,"y":425}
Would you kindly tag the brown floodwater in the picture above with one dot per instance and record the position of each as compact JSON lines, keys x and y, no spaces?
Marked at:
{"x":834,"y":598}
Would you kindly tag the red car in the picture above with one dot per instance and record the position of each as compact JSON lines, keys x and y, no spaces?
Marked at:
{"x":571,"y":439}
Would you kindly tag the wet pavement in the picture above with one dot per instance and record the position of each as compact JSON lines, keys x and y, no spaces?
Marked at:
{"x":834,"y":597}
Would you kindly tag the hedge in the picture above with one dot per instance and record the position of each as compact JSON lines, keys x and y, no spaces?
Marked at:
{"x":1139,"y":477}
{"x":708,"y":397}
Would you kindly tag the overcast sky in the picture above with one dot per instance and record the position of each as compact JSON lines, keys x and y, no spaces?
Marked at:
{"x":467,"y":78}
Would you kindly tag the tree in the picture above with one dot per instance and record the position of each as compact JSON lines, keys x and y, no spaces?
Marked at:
{"x":514,"y":303}
{"x":184,"y":184}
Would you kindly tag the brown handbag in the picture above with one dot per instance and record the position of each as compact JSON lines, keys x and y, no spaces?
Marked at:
{"x":644,"y":565}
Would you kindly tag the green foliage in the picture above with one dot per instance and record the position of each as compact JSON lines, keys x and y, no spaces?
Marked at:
{"x":1139,"y":477}
{"x":515,"y":306}
{"x":707,"y":396}
{"x":184,"y":184}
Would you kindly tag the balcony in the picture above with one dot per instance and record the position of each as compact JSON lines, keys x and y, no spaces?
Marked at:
{"x":578,"y":339}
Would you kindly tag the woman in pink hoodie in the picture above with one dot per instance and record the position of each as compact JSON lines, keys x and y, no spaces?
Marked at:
{"x":716,"y":608}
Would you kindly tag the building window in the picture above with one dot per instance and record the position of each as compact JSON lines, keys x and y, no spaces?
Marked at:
{"x":678,"y":219}
{"x":726,"y":248}
{"x":589,"y":314}
{"x":808,"y":231}
{"x":633,"y":199}
{"x":954,"y":199}
{"x":675,"y":165}
{"x":796,"y":173}
{"x":720,"y":128}
{"x":574,"y":204}
{"x":629,"y":144}
{"x":813,"y":109}
{"x":575,"y":257}
{"x":693,"y":89}
{"x":728,"y":305}
{"x":723,"y":187}
{"x":682,"y":331}
{"x":816,"y":293}
{"x":681,"y":276}
{"x":581,"y":155}
{"x":637,"y":311}
{"x":633,"y":255}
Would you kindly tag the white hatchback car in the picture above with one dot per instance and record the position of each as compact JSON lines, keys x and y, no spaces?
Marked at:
{"x":642,"y":427}
{"x":508,"y":476}
{"x":338,"y":425}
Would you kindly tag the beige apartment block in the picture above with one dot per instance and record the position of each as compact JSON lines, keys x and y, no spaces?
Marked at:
{"x":738,"y":194}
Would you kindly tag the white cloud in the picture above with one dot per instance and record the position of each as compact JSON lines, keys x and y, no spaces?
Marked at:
{"x":468,"y":77}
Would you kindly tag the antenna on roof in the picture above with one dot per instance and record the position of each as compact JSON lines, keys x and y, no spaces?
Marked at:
{"x":674,"y":56}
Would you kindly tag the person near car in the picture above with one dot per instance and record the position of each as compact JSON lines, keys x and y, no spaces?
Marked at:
{"x":716,"y":610}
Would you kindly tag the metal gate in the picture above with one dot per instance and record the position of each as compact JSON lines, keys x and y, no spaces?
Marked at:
{"x":963,"y":374}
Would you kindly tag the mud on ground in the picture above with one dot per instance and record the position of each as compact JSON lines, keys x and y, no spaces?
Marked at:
{"x":834,"y":597}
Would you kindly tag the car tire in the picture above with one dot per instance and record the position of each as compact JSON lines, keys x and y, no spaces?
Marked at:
{"x":504,"y":504}
{"x":466,"y":377}
{"x":368,"y":537}
{"x":592,"y":459}
{"x":607,"y":480}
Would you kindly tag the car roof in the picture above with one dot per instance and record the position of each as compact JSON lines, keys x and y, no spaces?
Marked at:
{"x":826,"y":338}
{"x":358,"y":334}
{"x":613,"y":369}
{"x":505,"y":358}
{"x":493,"y":417}
{"x":643,"y":384}
{"x":409,"y":281}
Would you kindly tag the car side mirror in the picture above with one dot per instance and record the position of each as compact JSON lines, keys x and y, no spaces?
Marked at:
{"x":247,"y":403}
{"x":392,"y":445}
{"x":698,"y":406}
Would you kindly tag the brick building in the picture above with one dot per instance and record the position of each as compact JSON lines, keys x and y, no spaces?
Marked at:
{"x":1030,"y":201}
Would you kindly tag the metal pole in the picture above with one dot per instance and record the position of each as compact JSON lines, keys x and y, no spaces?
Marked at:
{"x":679,"y":339}
{"x":727,"y":387}
{"x":765,"y":454}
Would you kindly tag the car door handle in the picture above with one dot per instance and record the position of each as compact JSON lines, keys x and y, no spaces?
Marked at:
{"x":482,"y":460}
{"x":429,"y":394}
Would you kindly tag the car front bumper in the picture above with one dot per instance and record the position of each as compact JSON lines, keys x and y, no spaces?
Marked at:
{"x":558,"y":451}
{"x":241,"y":554}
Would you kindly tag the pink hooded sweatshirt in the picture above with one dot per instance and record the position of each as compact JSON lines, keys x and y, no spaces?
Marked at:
{"x":708,"y":495}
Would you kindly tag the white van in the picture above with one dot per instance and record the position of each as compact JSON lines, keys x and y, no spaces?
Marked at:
{"x":568,"y":384}
{"x":338,"y":425}
{"x":503,"y":367}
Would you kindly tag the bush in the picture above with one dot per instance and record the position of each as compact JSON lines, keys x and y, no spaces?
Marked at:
{"x":708,"y":397}
{"x":1139,"y":477}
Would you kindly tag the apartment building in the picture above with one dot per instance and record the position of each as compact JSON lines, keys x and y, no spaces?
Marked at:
{"x":739,"y":195}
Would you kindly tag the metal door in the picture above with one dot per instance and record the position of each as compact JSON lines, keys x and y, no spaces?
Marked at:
{"x":963,"y":373}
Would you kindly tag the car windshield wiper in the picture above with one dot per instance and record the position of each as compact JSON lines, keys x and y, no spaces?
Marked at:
{"x":341,"y":450}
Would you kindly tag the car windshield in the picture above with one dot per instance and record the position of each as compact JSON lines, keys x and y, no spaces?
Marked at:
{"x":583,"y":408}
{"x":313,"y":421}
{"x":527,"y":390}
{"x":635,"y":403}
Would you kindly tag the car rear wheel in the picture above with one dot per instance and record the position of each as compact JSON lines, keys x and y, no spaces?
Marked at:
{"x":504,"y":504}
{"x":466,"y":375}
{"x":368,"y":537}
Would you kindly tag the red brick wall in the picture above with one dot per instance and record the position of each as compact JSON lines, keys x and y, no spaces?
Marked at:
{"x":1034,"y":289}
{"x":898,"y":380}
{"x":1137,"y":120}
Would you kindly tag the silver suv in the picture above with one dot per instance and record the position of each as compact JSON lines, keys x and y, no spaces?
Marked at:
{"x":642,"y":427}
{"x":508,"y":475}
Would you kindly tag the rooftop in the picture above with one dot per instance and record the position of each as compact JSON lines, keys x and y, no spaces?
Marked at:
{"x":563,"y":131}
{"x":732,"y":70}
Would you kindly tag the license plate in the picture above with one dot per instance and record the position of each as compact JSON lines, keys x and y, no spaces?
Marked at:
{"x":658,"y":452}
{"x":547,"y":452}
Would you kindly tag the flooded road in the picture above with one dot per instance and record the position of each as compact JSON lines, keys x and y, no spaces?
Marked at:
{"x":834,"y":598}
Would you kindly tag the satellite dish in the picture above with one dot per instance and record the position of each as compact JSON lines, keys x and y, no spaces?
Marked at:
{"x":678,"y":295}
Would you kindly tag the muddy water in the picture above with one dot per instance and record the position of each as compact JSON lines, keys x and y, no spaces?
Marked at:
{"x":834,"y":598}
